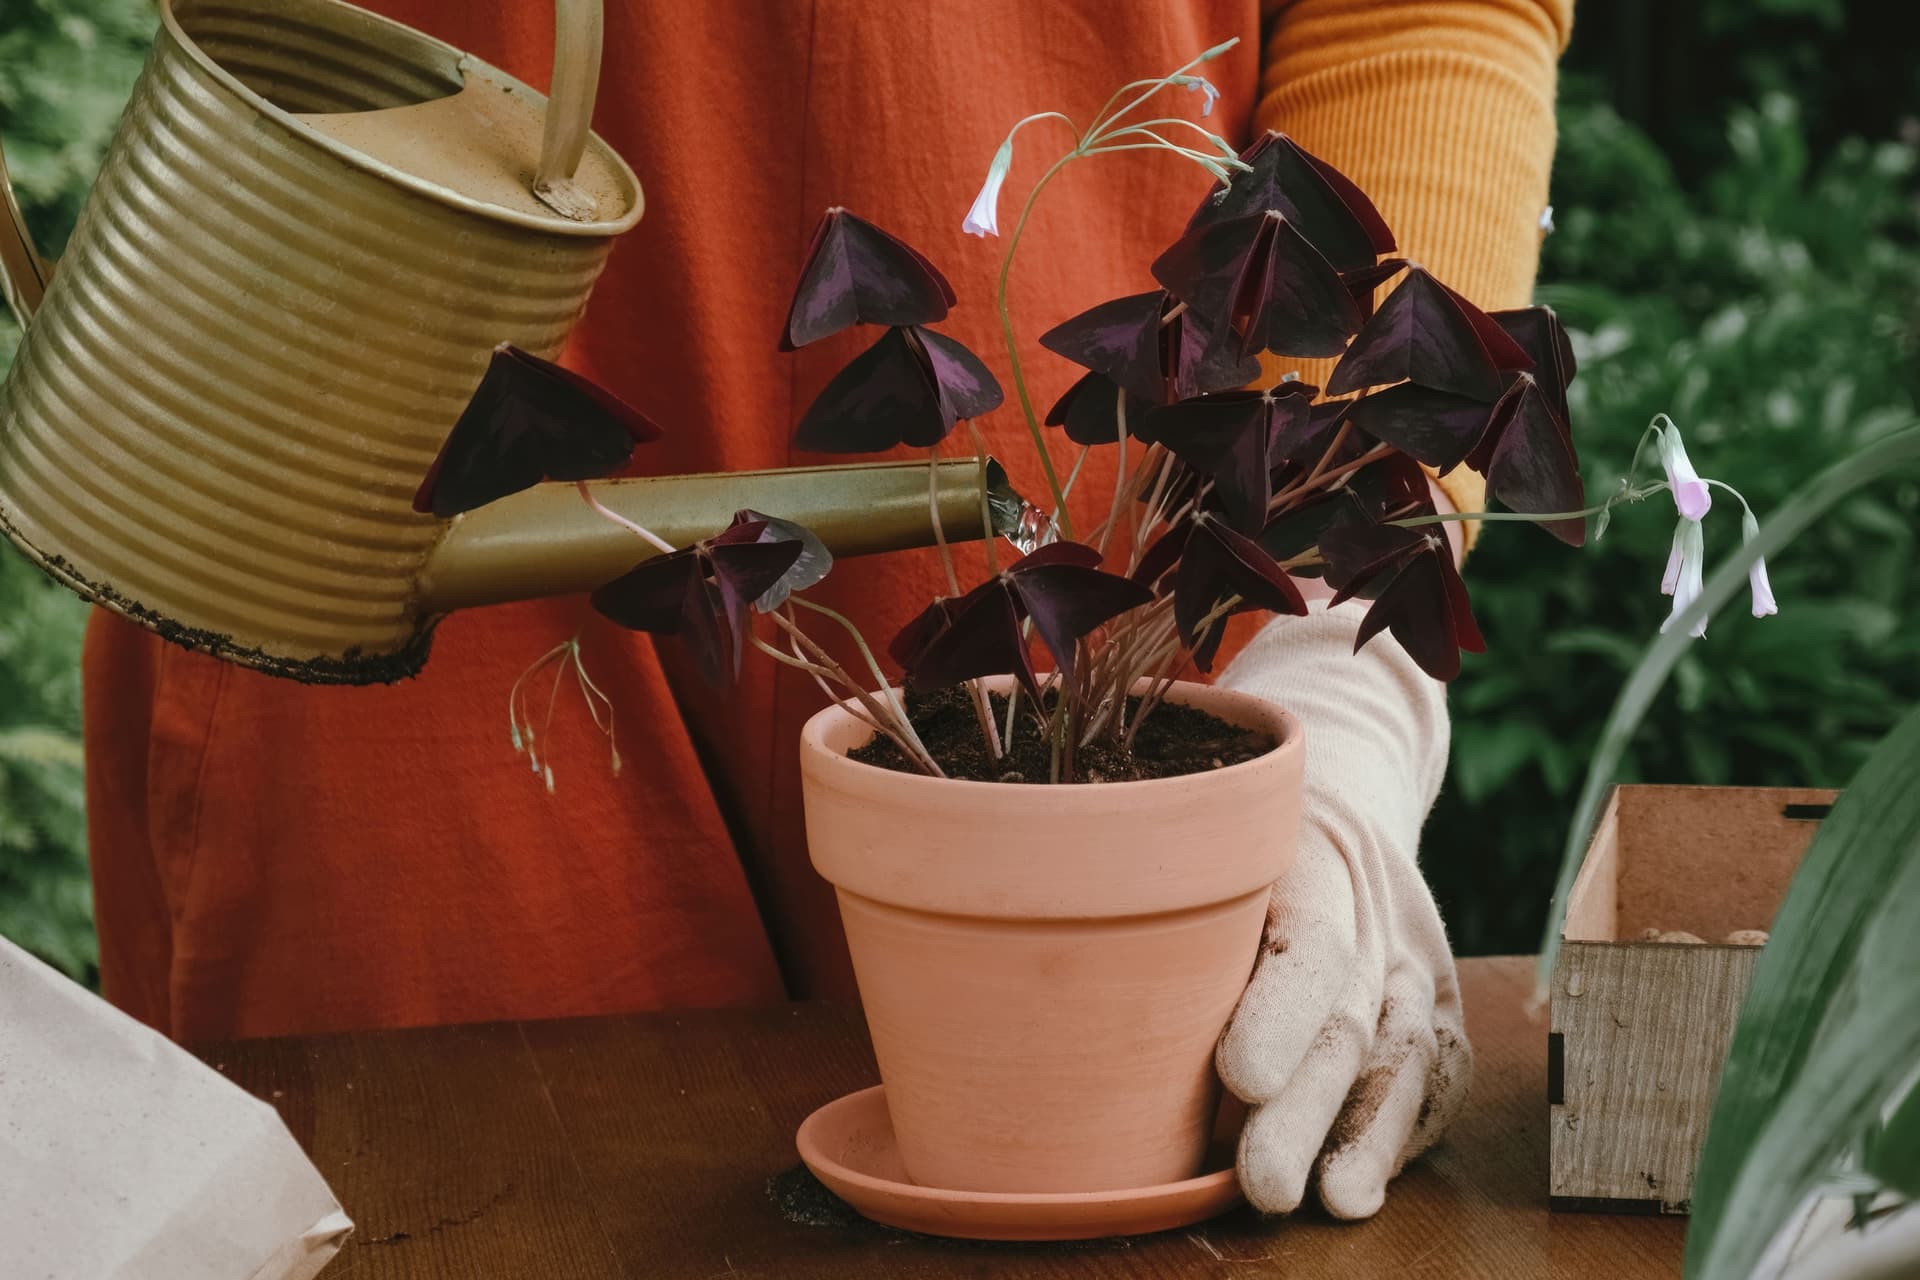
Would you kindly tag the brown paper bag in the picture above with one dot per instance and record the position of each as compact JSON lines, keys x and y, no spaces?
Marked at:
{"x":123,"y":1157}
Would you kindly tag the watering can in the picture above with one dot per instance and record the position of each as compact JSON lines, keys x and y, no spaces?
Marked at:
{"x":311,"y":230}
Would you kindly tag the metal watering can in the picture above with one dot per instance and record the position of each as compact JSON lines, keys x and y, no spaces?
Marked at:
{"x":311,"y":229}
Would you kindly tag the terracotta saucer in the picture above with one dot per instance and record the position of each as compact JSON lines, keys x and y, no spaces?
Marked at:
{"x":849,"y":1145}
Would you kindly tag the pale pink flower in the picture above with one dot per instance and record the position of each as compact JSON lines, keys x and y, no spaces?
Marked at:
{"x":1689,"y":490}
{"x":984,"y":218}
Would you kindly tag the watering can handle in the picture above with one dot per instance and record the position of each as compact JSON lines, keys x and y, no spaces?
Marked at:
{"x":23,"y":272}
{"x":578,"y":28}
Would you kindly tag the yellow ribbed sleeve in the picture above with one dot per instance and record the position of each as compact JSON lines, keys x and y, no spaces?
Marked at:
{"x":1442,"y":111}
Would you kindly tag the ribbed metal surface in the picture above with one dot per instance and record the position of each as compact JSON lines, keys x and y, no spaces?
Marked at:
{"x":253,"y":349}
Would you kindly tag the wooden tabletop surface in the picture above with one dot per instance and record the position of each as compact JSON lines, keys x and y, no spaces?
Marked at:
{"x":661,"y":1146}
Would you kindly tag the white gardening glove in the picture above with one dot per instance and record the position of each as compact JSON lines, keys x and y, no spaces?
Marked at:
{"x":1348,"y":1045}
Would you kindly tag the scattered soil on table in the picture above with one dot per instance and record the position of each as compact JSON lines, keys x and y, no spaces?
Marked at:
{"x":1176,"y":740}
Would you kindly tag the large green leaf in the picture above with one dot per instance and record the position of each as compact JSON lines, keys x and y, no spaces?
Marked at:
{"x":1831,"y":1027}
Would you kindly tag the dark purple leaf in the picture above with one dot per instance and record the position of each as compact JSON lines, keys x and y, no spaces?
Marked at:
{"x":1364,"y":282}
{"x":858,"y":274}
{"x":1302,"y":308}
{"x":1206,"y":360}
{"x":1163,"y":555}
{"x":1428,"y":334}
{"x":810,"y":567}
{"x":885,"y":397}
{"x":1328,"y":208}
{"x":1294,"y":428}
{"x":529,"y":420}
{"x":1540,"y":335}
{"x":1295,"y":532}
{"x":1066,"y":601}
{"x":967,"y":387}
{"x":702,"y":593}
{"x":906,"y":647}
{"x":745,"y":571}
{"x":651,"y":596}
{"x":1530,"y":464}
{"x":983,"y":639}
{"x":1427,"y":608}
{"x":1090,"y":412}
{"x":1262,"y":277}
{"x":1218,"y":563}
{"x":1358,"y":553}
{"x":1436,"y":427}
{"x":1120,"y":339}
{"x":1226,"y":438}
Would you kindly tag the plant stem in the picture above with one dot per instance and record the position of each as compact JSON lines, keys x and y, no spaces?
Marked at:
{"x":983,"y":710}
{"x":1013,"y":348}
{"x":658,"y":542}
{"x":1119,"y":471}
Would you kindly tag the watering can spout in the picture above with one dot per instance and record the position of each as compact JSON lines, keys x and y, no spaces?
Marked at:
{"x":546,"y":541}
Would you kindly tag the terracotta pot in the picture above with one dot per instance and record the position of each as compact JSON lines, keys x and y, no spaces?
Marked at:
{"x":1045,"y":969}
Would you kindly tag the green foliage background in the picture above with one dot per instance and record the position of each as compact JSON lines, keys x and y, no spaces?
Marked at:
{"x":65,"y":69}
{"x":1738,"y":245}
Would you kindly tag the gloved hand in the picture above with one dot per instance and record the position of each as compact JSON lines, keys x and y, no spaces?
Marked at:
{"x":1349,"y":1044}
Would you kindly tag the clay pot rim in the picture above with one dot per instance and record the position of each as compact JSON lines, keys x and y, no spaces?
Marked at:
{"x":1260,"y":714}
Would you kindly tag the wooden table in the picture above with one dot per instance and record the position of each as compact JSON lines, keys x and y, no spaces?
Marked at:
{"x":645,"y":1147}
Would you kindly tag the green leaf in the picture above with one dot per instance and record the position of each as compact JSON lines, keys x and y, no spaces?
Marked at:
{"x":1893,"y":1156}
{"x":1831,"y":1027}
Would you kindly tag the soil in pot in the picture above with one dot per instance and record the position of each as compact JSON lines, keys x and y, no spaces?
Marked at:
{"x":1176,"y":740}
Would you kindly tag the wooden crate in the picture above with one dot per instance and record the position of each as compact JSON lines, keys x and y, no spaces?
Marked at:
{"x":1639,"y":1030}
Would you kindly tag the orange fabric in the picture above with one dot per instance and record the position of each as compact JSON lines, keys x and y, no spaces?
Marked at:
{"x":270,"y":858}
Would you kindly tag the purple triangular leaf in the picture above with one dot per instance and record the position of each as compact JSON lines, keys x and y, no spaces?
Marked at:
{"x":883,"y":398}
{"x":1302,"y":309}
{"x":1225,"y":437}
{"x":1422,"y":334}
{"x":1120,"y":339}
{"x":1292,"y":427}
{"x":856,"y":273}
{"x":1206,"y":360}
{"x":1205,"y":267}
{"x":1163,"y":555}
{"x":1066,"y":601}
{"x":1089,"y":411}
{"x":967,"y":387}
{"x":1329,"y":209}
{"x":1359,"y":553}
{"x":1532,"y":467}
{"x":983,"y":639}
{"x":529,"y":420}
{"x":1426,"y":606}
{"x":1364,"y":282}
{"x":744,"y":572}
{"x":810,"y":567}
{"x":1540,"y":334}
{"x":1436,"y":427}
{"x":652,"y":595}
{"x":907,"y":645}
{"x":1218,"y":563}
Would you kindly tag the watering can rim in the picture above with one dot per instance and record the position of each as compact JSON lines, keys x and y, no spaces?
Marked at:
{"x":553,"y":224}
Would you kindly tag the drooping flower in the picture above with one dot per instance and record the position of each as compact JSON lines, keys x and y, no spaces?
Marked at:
{"x":1763,"y":602}
{"x":1685,"y":575}
{"x":984,"y":218}
{"x":1689,"y":490}
{"x":1202,"y":85}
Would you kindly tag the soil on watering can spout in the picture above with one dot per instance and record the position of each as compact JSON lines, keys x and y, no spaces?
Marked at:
{"x":1176,"y":740}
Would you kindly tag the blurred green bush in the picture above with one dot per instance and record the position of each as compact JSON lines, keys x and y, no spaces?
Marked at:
{"x":65,"y":69}
{"x":1773,"y":314}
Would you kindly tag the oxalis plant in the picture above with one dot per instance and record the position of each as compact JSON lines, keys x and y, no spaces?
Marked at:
{"x":1224,"y":492}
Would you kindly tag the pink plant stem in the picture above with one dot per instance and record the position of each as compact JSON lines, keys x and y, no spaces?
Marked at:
{"x":659,"y":543}
{"x":1120,"y":476}
{"x":889,"y":719}
{"x":982,"y":709}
